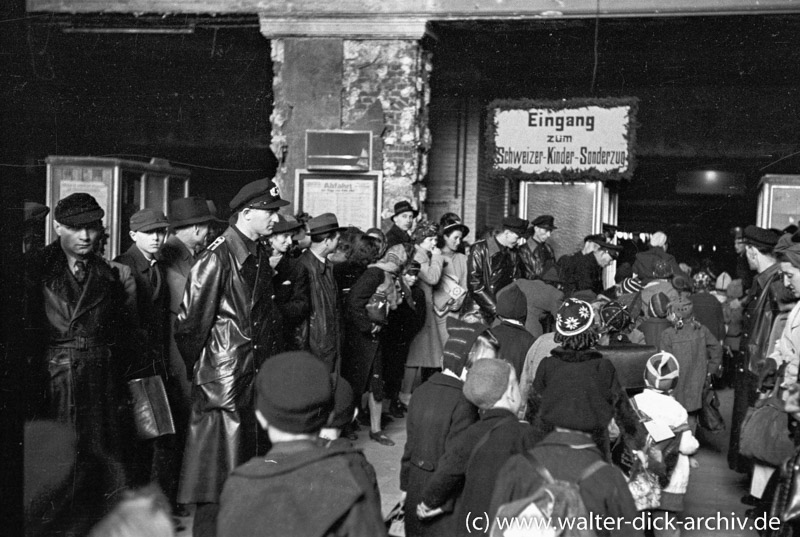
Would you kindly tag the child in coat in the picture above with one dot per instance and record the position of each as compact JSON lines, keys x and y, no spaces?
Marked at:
{"x":661,"y":376}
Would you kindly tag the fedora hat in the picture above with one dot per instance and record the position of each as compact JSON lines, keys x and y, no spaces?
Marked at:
{"x":286,"y":224}
{"x":404,"y":207}
{"x":324,"y":223}
{"x":188,"y":211}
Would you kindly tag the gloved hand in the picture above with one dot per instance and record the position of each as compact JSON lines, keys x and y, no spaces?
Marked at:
{"x":766,"y":372}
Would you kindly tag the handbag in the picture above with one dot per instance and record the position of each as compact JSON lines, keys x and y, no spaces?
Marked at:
{"x":396,"y":520}
{"x":765,"y":428}
{"x":710,"y":418}
{"x":379,"y":303}
{"x":451,"y":296}
{"x":786,"y":500}
{"x":151,"y":411}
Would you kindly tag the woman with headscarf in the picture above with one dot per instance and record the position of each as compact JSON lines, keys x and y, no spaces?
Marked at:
{"x":425,"y":354}
{"x":362,"y":365}
{"x":450,"y":292}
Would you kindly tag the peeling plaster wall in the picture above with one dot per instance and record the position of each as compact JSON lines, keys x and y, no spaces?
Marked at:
{"x":394,"y":75}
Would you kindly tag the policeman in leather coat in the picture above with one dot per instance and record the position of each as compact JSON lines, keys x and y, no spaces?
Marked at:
{"x":227,"y":326}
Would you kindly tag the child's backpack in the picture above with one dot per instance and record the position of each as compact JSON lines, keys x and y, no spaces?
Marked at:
{"x":556,"y":509}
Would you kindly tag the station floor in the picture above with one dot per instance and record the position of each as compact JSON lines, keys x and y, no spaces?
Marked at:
{"x":713,"y":498}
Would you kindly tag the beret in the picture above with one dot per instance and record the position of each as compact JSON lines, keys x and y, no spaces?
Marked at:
{"x":294,"y":393}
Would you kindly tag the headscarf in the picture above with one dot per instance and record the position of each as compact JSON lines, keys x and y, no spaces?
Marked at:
{"x":393,"y":261}
{"x":790,"y":248}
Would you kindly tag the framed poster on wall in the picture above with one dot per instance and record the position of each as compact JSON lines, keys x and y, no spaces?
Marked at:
{"x":355,"y":199}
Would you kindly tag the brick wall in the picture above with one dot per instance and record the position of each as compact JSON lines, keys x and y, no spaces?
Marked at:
{"x":394,"y":75}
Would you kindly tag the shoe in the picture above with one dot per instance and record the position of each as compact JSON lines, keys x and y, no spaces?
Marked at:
{"x":749,"y":500}
{"x":396,"y":409}
{"x":177,"y":524}
{"x":381,"y":438}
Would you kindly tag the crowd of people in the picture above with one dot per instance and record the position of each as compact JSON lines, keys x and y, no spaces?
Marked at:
{"x":257,"y":350}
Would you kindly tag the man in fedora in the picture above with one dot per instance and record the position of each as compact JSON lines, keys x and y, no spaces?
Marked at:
{"x":324,"y":332}
{"x":492,"y":264}
{"x":76,"y":325}
{"x":290,"y":283}
{"x":537,"y":256}
{"x":190,"y":221}
{"x":227,"y":327}
{"x":403,"y":218}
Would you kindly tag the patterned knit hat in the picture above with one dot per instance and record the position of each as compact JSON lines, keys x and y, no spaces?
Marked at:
{"x":631,"y":285}
{"x":702,"y":281}
{"x":574,"y":317}
{"x":614,"y":316}
{"x":461,"y":338}
{"x":682,"y":307}
{"x":662,"y":372}
{"x":659,"y":305}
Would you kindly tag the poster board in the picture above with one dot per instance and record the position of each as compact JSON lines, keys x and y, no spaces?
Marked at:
{"x":355,"y":199}
{"x":567,"y":140}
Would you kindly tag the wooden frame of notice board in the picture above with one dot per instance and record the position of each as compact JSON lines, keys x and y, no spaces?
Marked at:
{"x":355,"y":198}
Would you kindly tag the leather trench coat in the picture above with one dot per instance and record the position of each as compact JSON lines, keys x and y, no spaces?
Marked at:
{"x":490,"y":267}
{"x":77,"y":348}
{"x":225,"y":330}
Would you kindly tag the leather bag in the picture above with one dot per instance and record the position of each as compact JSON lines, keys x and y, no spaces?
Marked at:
{"x":765,"y":429}
{"x":151,"y":411}
{"x":710,"y":417}
{"x":381,"y":301}
{"x":451,"y":298}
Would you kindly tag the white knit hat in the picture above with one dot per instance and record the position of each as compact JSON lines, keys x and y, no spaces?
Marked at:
{"x":662,"y":371}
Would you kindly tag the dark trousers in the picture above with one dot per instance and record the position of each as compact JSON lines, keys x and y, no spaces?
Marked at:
{"x":744,"y":396}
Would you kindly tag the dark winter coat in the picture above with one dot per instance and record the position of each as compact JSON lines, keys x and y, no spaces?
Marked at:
{"x":567,"y":455}
{"x":301,"y":488}
{"x":77,"y":337}
{"x":580,"y":272}
{"x":437,"y":416}
{"x":152,"y":307}
{"x":362,"y":357}
{"x":645,"y":263}
{"x":294,"y":301}
{"x":515,"y":342}
{"x":490,"y":267}
{"x":324,"y":330}
{"x":458,"y":469}
{"x":225,"y":331}
{"x":593,"y":379}
{"x":536,"y":258}
{"x":395,"y":235}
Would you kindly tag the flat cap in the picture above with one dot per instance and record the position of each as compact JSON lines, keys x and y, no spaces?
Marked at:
{"x":261,"y":194}
{"x":78,"y":209}
{"x":760,"y":237}
{"x":148,"y":220}
{"x":544,"y":221}
{"x":515,"y":224}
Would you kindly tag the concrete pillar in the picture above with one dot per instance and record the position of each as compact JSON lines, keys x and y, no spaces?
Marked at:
{"x":372,"y":84}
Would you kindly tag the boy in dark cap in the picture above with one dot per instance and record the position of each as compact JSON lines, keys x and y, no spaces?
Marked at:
{"x":228,"y":326}
{"x":152,"y":459}
{"x":479,"y":453}
{"x":492,"y":264}
{"x":512,"y":310}
{"x":437,"y":416}
{"x":75,"y":323}
{"x":300,"y":487}
{"x":536,"y":255}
